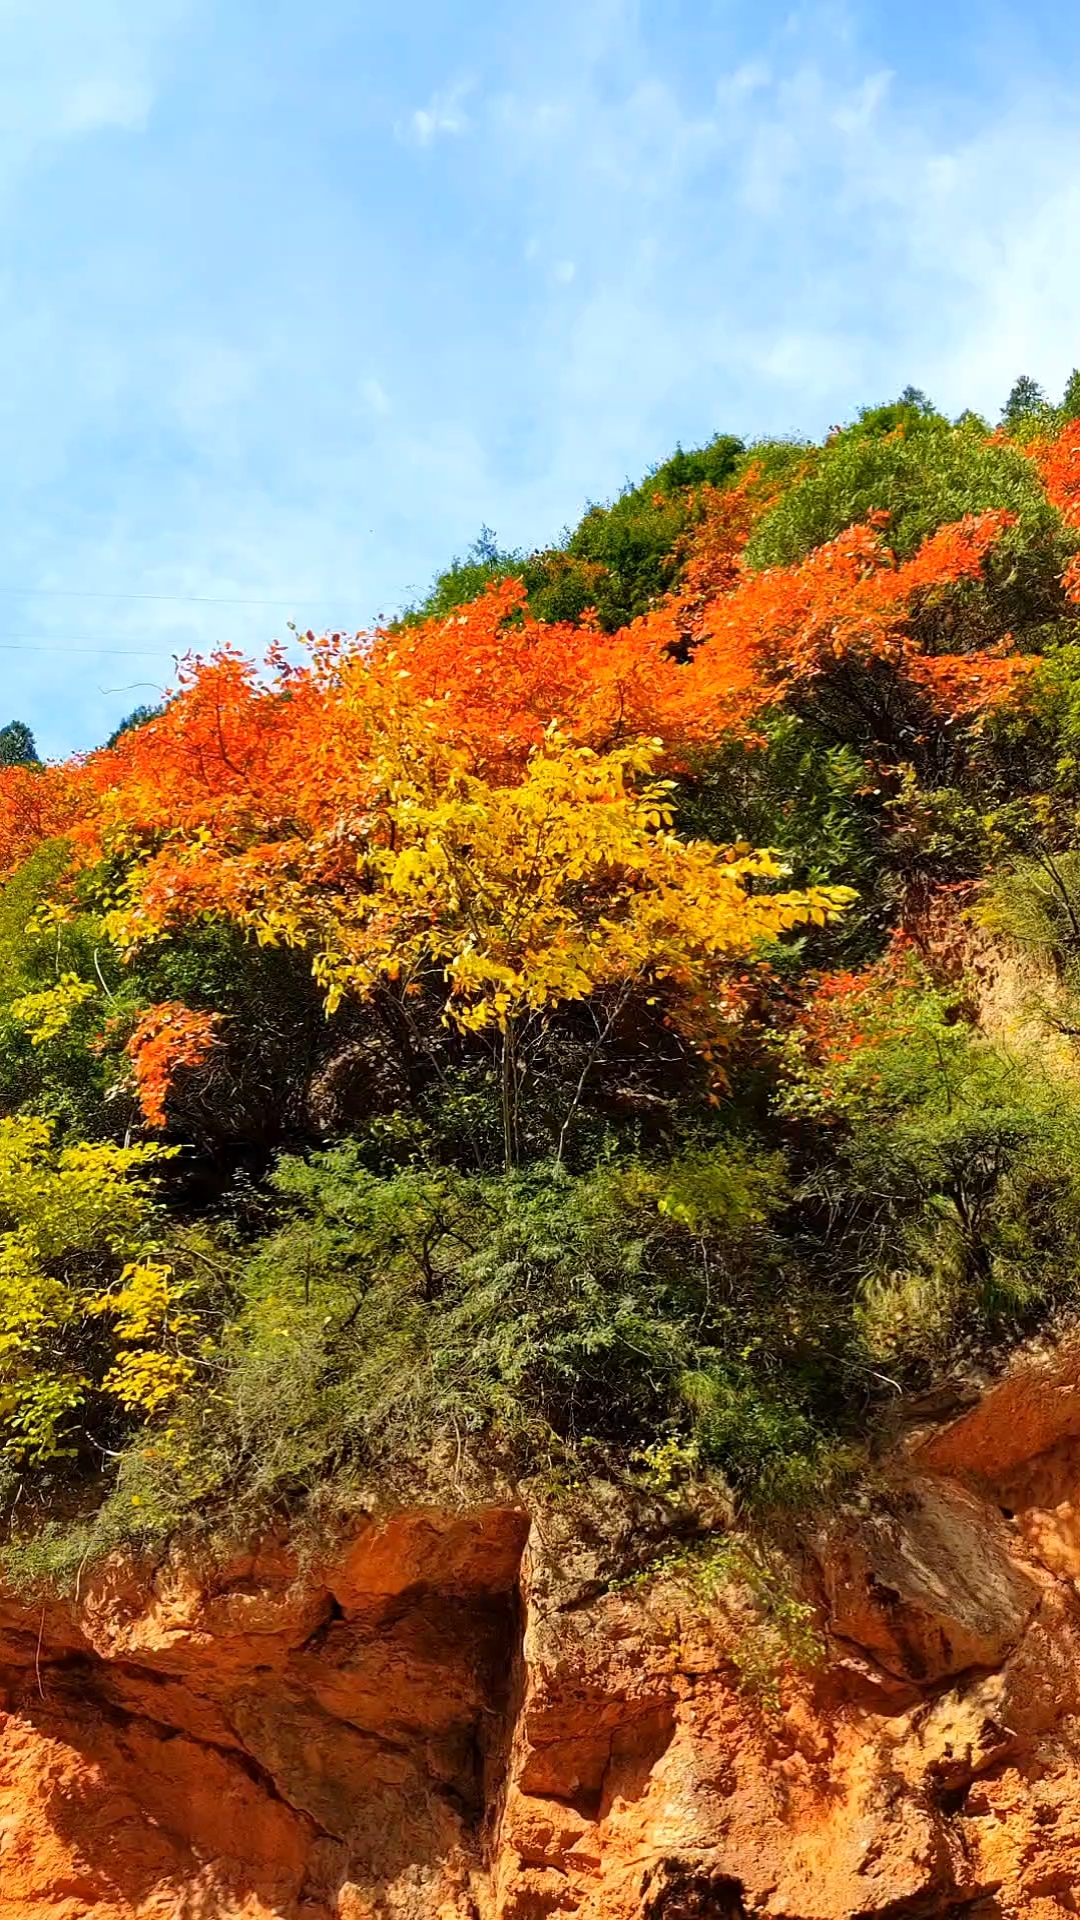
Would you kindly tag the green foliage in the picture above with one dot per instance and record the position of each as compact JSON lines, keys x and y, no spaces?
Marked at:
{"x":635,"y":538}
{"x":619,"y":559}
{"x":1027,"y":407}
{"x":819,"y":806}
{"x":53,"y":1069}
{"x":1039,"y":734}
{"x":774,"y":1625}
{"x":17,"y":746}
{"x":1037,"y":902}
{"x":938,"y":833}
{"x":1070,"y":405}
{"x":789,"y":789}
{"x":537,"y":1314}
{"x":138,"y":717}
{"x":465,"y":579}
{"x":909,"y":462}
{"x":953,"y":1187}
{"x":748,"y":1589}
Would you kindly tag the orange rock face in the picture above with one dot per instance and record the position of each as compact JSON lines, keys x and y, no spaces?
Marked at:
{"x":461,"y":1717}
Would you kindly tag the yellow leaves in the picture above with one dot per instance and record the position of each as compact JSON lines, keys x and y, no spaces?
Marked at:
{"x":529,"y":896}
{"x":146,"y":1381}
{"x":146,"y":1302}
{"x":148,"y":1311}
{"x":75,"y":1200}
{"x":63,"y":1214}
{"x":49,"y":917}
{"x":401,"y":854}
{"x":48,"y":1014}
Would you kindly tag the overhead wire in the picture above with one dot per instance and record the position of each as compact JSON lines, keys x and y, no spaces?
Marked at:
{"x":173,"y":599}
{"x":31,"y":643}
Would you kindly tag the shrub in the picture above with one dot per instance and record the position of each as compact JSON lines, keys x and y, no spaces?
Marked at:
{"x":91,"y":1321}
{"x":536,"y":1316}
{"x":952,"y":1190}
{"x":925,"y":473}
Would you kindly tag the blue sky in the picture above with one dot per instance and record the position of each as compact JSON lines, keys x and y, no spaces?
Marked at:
{"x":294,"y":297}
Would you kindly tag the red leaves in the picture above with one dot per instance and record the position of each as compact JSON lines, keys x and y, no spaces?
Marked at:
{"x":247,"y":786}
{"x":848,"y":600}
{"x":167,"y":1036}
{"x":1058,"y":461}
{"x":36,"y":804}
{"x":851,"y":1011}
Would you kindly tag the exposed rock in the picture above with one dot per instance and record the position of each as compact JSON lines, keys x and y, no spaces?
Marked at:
{"x":927,"y":1583}
{"x":466,"y":1716}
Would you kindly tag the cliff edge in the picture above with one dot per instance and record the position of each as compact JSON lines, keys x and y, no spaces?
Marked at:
{"x":462,"y":1716}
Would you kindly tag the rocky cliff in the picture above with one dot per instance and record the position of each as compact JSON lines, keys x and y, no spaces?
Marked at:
{"x":462,"y":1715}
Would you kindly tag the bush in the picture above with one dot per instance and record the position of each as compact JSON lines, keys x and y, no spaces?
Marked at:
{"x":924,"y":472}
{"x":619,"y":559}
{"x":536,"y":1316}
{"x":952,"y":1188}
{"x":90,"y":1320}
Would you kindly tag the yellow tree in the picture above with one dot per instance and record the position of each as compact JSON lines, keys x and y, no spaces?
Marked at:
{"x":520,"y":898}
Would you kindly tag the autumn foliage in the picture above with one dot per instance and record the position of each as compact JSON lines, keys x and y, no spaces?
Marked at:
{"x":1058,"y":462}
{"x":528,"y":996}
{"x":165,"y":1038}
{"x":480,"y":797}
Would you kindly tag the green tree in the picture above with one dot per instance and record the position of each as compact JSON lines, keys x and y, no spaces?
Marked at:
{"x":17,"y":745}
{"x":1070,"y":405}
{"x":1026,"y":404}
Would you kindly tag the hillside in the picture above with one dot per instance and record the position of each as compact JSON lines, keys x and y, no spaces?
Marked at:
{"x":594,"y":1062}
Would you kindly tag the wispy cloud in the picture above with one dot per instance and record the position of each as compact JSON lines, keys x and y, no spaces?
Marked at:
{"x":444,"y":115}
{"x":376,"y":396}
{"x":268,"y":338}
{"x":70,"y":70}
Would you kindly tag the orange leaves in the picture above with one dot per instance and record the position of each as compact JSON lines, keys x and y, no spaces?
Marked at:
{"x":167,"y":1036}
{"x":849,"y":1011}
{"x":36,"y":804}
{"x":499,"y":678}
{"x":955,"y":552}
{"x":1058,"y":461}
{"x":225,"y":740}
{"x":964,"y":685}
{"x":265,"y":798}
{"x":848,"y":600}
{"x":713,"y":545}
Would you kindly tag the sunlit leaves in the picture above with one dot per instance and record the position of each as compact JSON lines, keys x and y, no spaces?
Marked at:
{"x":66,"y":1215}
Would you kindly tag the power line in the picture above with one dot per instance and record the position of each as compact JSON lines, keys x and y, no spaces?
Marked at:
{"x":15,"y":643}
{"x":29,"y":643}
{"x":172,"y":599}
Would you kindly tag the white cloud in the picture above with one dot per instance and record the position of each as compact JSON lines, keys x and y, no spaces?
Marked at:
{"x":444,"y":114}
{"x":375,"y":396}
{"x":71,"y":68}
{"x":323,"y":379}
{"x":820,"y":234}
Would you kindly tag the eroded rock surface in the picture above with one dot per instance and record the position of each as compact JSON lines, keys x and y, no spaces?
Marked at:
{"x":464,"y":1717}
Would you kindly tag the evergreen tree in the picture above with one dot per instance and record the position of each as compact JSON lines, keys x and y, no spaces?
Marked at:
{"x":1025,"y":403}
{"x":17,"y":745}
